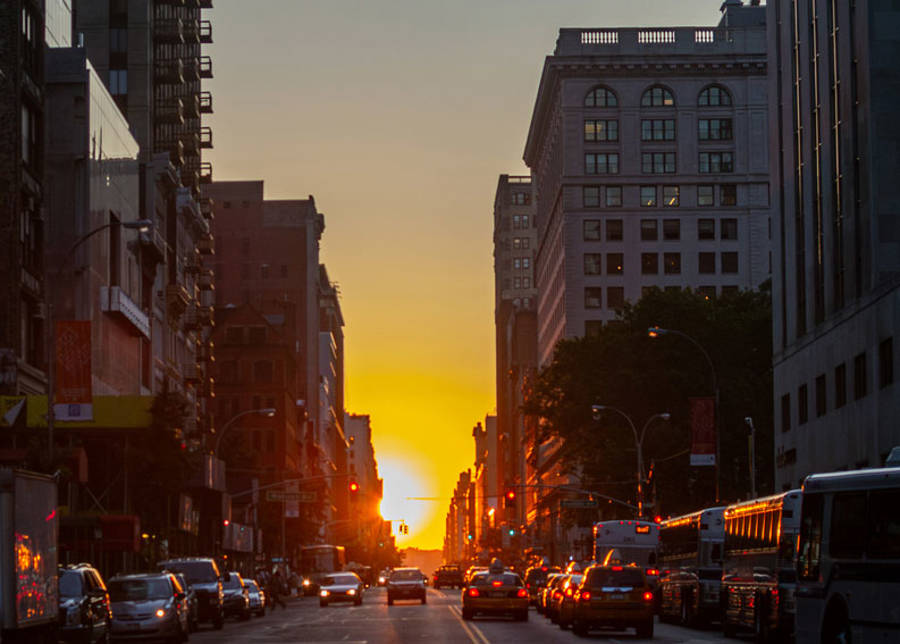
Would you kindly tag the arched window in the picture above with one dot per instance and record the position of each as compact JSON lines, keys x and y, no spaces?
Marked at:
{"x":657,"y":97}
{"x":601,"y":97}
{"x":714,"y":96}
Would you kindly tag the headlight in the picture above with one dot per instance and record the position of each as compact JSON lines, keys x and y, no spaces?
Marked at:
{"x":306,"y":582}
{"x":323,"y":593}
{"x":160,"y":612}
{"x":381,"y":580}
{"x":352,"y":591}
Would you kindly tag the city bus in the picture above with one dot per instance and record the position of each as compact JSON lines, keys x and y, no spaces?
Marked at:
{"x":318,"y":561}
{"x":690,"y":561}
{"x":629,"y":541}
{"x":848,"y":557}
{"x":758,"y":574}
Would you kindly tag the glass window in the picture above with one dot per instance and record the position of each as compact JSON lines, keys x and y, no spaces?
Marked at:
{"x":714,"y":129}
{"x":591,"y":230}
{"x":714,"y":96}
{"x":706,"y":229}
{"x":614,"y":230}
{"x":840,"y":386}
{"x":671,"y":196}
{"x":118,"y":82}
{"x":729,"y":195}
{"x":526,"y":262}
{"x":716,"y":162}
{"x":521,"y":198}
{"x":648,"y":196}
{"x":705,"y":196}
{"x":525,"y":222}
{"x":526,"y":243}
{"x":601,"y":130}
{"x":658,"y":162}
{"x":657,"y":97}
{"x":821,"y":396}
{"x":671,"y":229}
{"x":649,"y":230}
{"x":601,"y":163}
{"x":600,"y":97}
{"x":884,"y":525}
{"x":592,"y":263}
{"x":786,"y":413}
{"x":706,"y":263}
{"x":593,"y":328}
{"x":672,"y":263}
{"x":649,"y":263}
{"x":859,"y":376}
{"x":593,"y":297}
{"x":729,"y":262}
{"x":658,"y":130}
{"x":613,"y":196}
{"x":614,"y":263}
{"x":848,"y":519}
{"x":728,"y":229}
{"x":802,"y":404}
{"x":262,"y":372}
{"x":886,"y":362}
{"x":615,"y":297}
{"x":591,"y":196}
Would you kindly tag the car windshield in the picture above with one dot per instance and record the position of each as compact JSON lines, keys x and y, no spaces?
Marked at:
{"x":70,"y":585}
{"x":133,"y":590}
{"x":406,"y":575}
{"x":197,"y":572}
{"x":506,"y":579}
{"x":252,"y":584}
{"x":602,"y":577}
{"x":234,"y":581}
{"x":340,"y":580}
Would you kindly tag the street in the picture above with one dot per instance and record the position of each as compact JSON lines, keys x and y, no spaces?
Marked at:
{"x":437,"y":621}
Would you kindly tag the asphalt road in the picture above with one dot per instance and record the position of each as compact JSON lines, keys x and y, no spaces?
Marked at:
{"x":437,"y":621}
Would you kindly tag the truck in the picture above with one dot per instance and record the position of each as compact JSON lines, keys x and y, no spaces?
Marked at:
{"x":29,"y":529}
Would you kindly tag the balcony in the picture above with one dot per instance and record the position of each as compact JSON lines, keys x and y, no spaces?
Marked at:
{"x":192,"y":374}
{"x":206,"y":173}
{"x":206,"y":105}
{"x":207,"y":298}
{"x":191,"y":69}
{"x":205,"y":353}
{"x":174,"y":147}
{"x":115,"y":301}
{"x":191,"y":31}
{"x":206,"y":67}
{"x":205,"y":316}
{"x":206,"y":32}
{"x":191,"y":106}
{"x":207,"y":388}
{"x":206,"y":245}
{"x":206,"y":280}
{"x":206,"y":140}
{"x":168,"y":31}
{"x":169,"y":71}
{"x":206,"y":4}
{"x":206,"y":208}
{"x":169,"y":110}
{"x":191,"y":143}
{"x":153,"y":246}
{"x":177,"y":299}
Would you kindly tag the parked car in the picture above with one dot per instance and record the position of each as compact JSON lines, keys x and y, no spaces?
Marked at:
{"x":84,"y":614}
{"x":406,"y":583}
{"x":203,"y":576}
{"x":341,"y":587}
{"x":148,"y":606}
{"x":614,"y":597}
{"x":237,"y":597}
{"x":191,"y":597}
{"x":450,"y":575}
{"x":495,"y":592}
{"x":257,"y":598}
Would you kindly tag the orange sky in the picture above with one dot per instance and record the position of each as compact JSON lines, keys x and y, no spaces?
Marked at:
{"x":398,"y":116}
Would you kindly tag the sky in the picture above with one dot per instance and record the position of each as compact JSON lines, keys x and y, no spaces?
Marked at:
{"x":398,"y":116}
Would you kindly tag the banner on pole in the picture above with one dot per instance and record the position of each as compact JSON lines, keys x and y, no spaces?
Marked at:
{"x":72,"y":399}
{"x":703,"y":431}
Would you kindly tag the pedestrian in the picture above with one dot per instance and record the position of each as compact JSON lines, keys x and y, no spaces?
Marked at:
{"x":275,"y":589}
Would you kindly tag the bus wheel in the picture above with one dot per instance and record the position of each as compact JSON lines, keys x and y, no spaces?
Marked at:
{"x":836,"y":629}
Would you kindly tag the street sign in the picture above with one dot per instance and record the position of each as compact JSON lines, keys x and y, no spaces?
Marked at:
{"x":578,"y":504}
{"x":297,"y":497}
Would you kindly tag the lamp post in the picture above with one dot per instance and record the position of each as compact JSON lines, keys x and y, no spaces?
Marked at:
{"x":265,"y":411}
{"x":655,"y":332}
{"x":141,"y":225}
{"x":638,"y":443}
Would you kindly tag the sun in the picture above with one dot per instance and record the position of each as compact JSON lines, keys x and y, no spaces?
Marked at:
{"x":402,"y":480}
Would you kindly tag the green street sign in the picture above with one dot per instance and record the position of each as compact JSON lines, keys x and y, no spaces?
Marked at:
{"x":299,"y":497}
{"x":578,"y":504}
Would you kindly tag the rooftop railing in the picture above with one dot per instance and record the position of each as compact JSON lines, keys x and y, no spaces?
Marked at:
{"x":641,"y":41}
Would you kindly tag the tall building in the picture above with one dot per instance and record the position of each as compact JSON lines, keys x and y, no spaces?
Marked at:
{"x":459,"y":535}
{"x":834,"y":87}
{"x":515,"y":240}
{"x":647,"y":171}
{"x":330,"y":426}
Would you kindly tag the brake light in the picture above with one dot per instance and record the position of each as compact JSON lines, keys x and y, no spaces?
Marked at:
{"x":648,"y":596}
{"x":473,"y":592}
{"x":544,"y":568}
{"x":653,"y":572}
{"x":617,"y":568}
{"x":585,"y":596}
{"x":556,"y":594}
{"x":522,"y":593}
{"x":527,"y":585}
{"x":569,"y":592}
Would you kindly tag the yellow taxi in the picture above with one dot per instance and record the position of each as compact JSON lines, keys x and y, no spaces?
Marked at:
{"x":495,"y":592}
{"x":615,"y":597}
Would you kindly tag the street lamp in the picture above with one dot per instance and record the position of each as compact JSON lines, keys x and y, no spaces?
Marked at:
{"x":141,"y":225}
{"x":655,"y":332}
{"x":265,"y":411}
{"x":638,"y":443}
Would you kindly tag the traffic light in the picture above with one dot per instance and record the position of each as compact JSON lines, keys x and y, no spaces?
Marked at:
{"x":354,"y":487}
{"x":510,"y":499}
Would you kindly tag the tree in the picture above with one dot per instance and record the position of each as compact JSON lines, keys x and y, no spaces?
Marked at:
{"x":622,"y":367}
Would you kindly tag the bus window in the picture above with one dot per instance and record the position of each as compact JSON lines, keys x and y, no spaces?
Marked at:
{"x":716,"y":555}
{"x":848,"y":525}
{"x":810,"y":548}
{"x":884,"y":525}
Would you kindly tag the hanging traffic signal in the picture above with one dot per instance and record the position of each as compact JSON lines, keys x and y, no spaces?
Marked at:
{"x":354,"y":487}
{"x":510,"y":499}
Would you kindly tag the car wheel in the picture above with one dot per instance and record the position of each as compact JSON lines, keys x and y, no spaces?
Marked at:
{"x":219,"y":621}
{"x":645,"y":630}
{"x":467,"y":614}
{"x":424,"y":599}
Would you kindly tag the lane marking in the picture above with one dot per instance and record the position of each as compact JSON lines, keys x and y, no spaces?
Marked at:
{"x":456,"y":613}
{"x":477,"y":631}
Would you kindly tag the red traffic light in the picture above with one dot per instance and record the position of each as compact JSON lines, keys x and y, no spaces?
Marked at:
{"x":354,"y":486}
{"x":511,"y":495}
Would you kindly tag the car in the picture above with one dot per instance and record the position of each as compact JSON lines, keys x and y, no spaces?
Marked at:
{"x":565,"y":606}
{"x":191,"y":597}
{"x":148,"y":607}
{"x":84,"y":613}
{"x":237,"y":597}
{"x":406,"y":583}
{"x":448,"y":575}
{"x":553,"y":594}
{"x":473,"y":570}
{"x":341,"y":587}
{"x":495,"y":592}
{"x":547,"y":591}
{"x":536,"y":579}
{"x":383,"y":577}
{"x":614,"y":597}
{"x":202,"y":574}
{"x":257,"y":598}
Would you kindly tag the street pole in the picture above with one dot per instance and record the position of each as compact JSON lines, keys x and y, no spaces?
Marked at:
{"x":265,"y":411}
{"x":751,"y":449}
